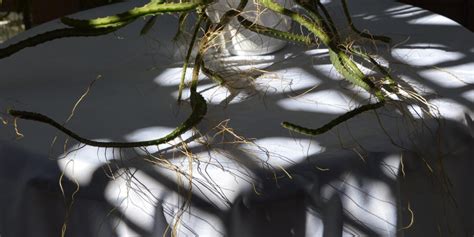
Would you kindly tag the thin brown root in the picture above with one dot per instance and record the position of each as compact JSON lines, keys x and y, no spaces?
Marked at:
{"x":402,"y":166}
{"x":285,"y":171}
{"x":69,"y":207}
{"x":412,"y":218}
{"x":255,"y":189}
{"x":81,"y":98}
{"x":19,"y":135}
{"x":4,"y":122}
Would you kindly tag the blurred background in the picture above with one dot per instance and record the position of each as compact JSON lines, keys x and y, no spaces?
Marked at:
{"x":461,"y":11}
{"x":18,"y":15}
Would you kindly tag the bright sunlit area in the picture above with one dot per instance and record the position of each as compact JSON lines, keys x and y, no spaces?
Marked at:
{"x":279,"y":118}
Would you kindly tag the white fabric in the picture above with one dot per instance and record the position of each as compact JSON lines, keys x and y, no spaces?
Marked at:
{"x":275,"y":183}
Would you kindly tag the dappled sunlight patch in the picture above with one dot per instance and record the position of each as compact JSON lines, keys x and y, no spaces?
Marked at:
{"x":172,"y":76}
{"x":373,"y":204}
{"x":151,"y":133}
{"x":370,"y":202}
{"x":432,"y":57}
{"x":318,"y":102}
{"x":80,"y":162}
{"x":404,"y":11}
{"x":463,"y":70}
{"x":390,"y":166}
{"x":468,"y":95}
{"x":285,"y":81}
{"x":134,"y":200}
{"x":416,"y":111}
{"x":433,"y":19}
{"x":280,"y":152}
{"x":217,"y":94}
{"x":449,"y":108}
{"x":243,"y":63}
{"x":426,"y":57}
{"x":449,"y":80}
{"x":203,"y":169}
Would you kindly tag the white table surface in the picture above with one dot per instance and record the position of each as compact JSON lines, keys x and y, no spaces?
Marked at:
{"x":277,"y":183}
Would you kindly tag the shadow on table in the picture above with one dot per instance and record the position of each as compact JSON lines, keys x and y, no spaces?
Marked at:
{"x":431,"y":187}
{"x":278,"y":208}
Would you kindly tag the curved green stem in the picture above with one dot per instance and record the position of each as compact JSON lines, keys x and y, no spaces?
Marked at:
{"x":328,"y":18}
{"x":198,"y":104}
{"x":332,"y":123}
{"x":188,"y":56}
{"x":341,"y":61}
{"x":316,"y":17}
{"x":152,"y":8}
{"x":301,"y":39}
{"x":320,"y":33}
{"x":55,"y":34}
{"x":352,"y":73}
{"x":198,"y":61}
{"x":388,"y":82}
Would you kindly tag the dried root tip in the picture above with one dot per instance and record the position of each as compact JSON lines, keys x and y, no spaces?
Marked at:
{"x":4,"y":122}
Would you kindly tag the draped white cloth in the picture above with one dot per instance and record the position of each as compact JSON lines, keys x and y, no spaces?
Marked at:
{"x":383,"y":173}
